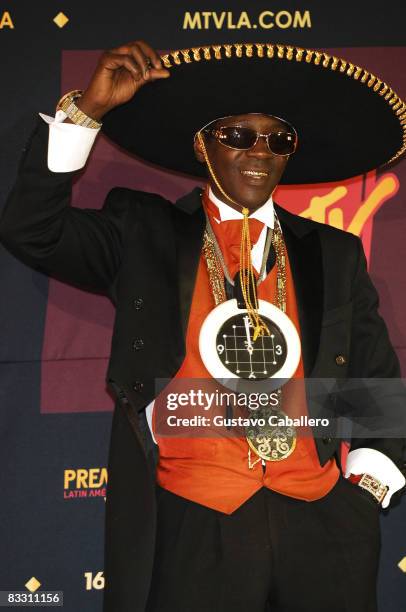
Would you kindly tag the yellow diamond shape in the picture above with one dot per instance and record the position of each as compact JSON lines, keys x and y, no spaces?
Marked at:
{"x":402,"y":564}
{"x":33,"y":584}
{"x":61,"y":20}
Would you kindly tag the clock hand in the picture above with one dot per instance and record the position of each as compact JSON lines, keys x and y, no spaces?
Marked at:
{"x":250,"y":348}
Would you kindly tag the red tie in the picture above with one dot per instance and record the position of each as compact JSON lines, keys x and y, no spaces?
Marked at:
{"x":228,"y":234}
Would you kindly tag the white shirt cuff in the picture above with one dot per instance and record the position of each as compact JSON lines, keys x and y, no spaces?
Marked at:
{"x":69,"y":144}
{"x":377,"y":464}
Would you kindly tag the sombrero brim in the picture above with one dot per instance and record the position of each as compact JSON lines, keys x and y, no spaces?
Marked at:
{"x":348,"y":120}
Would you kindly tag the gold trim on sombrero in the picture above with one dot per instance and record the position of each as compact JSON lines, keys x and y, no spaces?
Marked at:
{"x":288,"y":52}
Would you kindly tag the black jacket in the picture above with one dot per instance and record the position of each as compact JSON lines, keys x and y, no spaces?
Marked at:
{"x":142,"y":252}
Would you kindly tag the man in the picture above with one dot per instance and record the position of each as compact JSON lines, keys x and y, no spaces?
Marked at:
{"x":238,"y":528}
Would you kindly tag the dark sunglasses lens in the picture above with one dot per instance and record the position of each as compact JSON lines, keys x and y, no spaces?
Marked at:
{"x":282,"y":143}
{"x":238,"y":137}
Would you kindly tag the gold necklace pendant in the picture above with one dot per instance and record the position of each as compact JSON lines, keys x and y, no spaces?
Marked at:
{"x":274,"y":441}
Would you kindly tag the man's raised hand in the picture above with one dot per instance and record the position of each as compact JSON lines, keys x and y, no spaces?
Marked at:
{"x":119,"y":74}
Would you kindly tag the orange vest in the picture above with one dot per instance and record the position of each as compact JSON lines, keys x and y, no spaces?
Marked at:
{"x":213,"y":471}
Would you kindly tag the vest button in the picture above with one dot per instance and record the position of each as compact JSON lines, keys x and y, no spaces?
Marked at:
{"x":138,"y":303}
{"x":327,"y":440}
{"x":340,"y":360}
{"x":138,"y":386}
{"x":138,"y":344}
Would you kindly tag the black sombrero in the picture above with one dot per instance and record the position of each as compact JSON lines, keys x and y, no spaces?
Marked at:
{"x":348,"y":120}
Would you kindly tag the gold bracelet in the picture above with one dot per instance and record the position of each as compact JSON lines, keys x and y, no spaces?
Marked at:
{"x":373,"y":486}
{"x":68,"y":106}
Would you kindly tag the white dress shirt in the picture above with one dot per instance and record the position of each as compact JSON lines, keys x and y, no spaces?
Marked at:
{"x":69,"y":146}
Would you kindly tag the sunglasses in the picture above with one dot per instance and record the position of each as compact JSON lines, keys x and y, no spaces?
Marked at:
{"x":280,"y":142}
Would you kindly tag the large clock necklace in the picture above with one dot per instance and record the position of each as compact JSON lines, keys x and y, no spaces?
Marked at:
{"x":238,"y":357}
{"x":245,"y":342}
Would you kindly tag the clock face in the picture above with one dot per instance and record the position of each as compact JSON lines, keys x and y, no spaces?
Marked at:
{"x":246,"y":358}
{"x":231,"y":356}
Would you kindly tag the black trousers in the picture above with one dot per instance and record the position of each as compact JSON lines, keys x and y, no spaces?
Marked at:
{"x":274,"y":553}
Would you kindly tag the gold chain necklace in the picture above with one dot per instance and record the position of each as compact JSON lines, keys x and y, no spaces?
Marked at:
{"x":247,"y":279}
{"x":269,"y":443}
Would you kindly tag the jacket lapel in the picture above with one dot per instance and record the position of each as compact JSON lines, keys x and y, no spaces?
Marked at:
{"x":305,"y":258}
{"x":189,"y":238}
